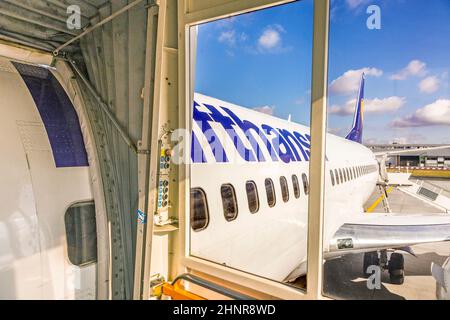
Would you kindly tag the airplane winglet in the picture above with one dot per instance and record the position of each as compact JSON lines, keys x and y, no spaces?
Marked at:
{"x":355,"y":133}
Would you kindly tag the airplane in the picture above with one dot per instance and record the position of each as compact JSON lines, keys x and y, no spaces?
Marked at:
{"x":249,"y":195}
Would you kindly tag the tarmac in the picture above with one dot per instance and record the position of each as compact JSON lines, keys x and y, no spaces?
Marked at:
{"x":343,"y":277}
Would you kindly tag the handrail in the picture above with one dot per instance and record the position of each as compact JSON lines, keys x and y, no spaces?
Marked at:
{"x":211,"y":286}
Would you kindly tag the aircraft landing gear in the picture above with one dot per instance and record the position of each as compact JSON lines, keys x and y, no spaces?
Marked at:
{"x":370,"y":259}
{"x":395,"y":265}
{"x":396,"y":268}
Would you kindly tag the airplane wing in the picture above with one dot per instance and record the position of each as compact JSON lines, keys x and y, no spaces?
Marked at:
{"x":388,"y":231}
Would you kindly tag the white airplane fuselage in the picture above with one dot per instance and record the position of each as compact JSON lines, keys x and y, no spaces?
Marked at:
{"x":271,"y":242}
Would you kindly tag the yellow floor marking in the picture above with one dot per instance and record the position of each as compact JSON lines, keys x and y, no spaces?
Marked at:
{"x":377,"y":202}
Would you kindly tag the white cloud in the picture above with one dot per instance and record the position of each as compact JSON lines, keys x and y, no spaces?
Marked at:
{"x":390,"y":104}
{"x":226,"y":23}
{"x":348,"y":83}
{"x":434,"y":114}
{"x":271,"y":39}
{"x":231,"y":37}
{"x":299,"y":101}
{"x":265,"y":109}
{"x":429,"y":84}
{"x":353,"y":4}
{"x":335,"y":131}
{"x":228,"y":37}
{"x":414,"y":68}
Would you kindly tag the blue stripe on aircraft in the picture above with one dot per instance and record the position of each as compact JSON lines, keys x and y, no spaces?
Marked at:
{"x":58,"y":115}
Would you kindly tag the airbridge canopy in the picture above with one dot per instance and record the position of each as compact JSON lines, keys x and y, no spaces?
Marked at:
{"x":113,"y":57}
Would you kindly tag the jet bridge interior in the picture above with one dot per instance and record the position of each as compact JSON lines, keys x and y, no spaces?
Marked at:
{"x":129,"y":66}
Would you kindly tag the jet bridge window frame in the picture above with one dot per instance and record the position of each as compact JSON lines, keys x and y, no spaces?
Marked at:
{"x":191,"y":13}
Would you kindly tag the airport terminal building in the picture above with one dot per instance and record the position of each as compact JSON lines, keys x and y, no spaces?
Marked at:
{"x":439,"y":158}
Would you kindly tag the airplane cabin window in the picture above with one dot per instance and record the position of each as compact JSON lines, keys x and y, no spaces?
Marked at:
{"x":332,"y":177}
{"x":296,"y":186}
{"x":229,"y":202}
{"x":252,"y":196}
{"x":341,"y":177}
{"x":199,"y":215}
{"x":305,"y":183}
{"x":270,"y":192}
{"x":337,"y":176}
{"x":81,"y":233}
{"x":284,"y":189}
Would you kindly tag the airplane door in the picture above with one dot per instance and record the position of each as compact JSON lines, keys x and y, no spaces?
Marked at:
{"x":20,"y":259}
{"x":59,"y":171}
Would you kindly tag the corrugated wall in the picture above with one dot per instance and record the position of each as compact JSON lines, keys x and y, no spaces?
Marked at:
{"x":114,"y":55}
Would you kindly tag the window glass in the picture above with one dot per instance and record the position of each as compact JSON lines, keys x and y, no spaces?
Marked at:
{"x":332,"y":177}
{"x":229,"y":203}
{"x":305,"y":183}
{"x":199,"y":209}
{"x":249,"y":74}
{"x":270,"y":192}
{"x":284,"y":189}
{"x":252,"y":196}
{"x":296,"y":186}
{"x":388,"y":93}
{"x":81,"y":233}
{"x":337,"y":176}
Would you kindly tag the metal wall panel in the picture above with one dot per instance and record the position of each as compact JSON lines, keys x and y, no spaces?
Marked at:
{"x":114,"y":55}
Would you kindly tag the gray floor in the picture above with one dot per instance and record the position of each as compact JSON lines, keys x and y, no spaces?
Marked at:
{"x":343,"y":277}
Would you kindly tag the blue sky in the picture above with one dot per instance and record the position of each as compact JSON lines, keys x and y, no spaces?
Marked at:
{"x":262,"y":60}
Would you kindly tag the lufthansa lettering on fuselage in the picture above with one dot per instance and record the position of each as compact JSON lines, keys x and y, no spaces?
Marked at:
{"x":251,"y":142}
